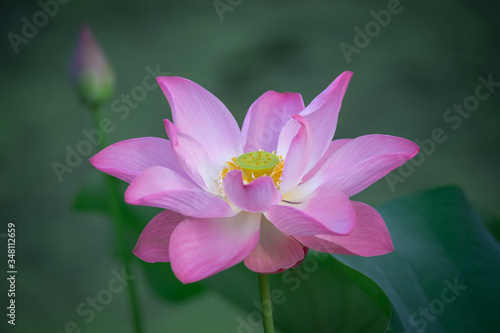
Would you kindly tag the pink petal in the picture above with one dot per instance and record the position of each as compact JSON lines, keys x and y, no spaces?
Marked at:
{"x":256,"y":196}
{"x":323,"y":113}
{"x":193,"y":158}
{"x":288,"y":133}
{"x":266,"y":117}
{"x":162,"y":187}
{"x":369,"y":237}
{"x":127,"y":159}
{"x":358,"y":164}
{"x":274,"y":252}
{"x":200,"y":248}
{"x":324,"y":213}
{"x":153,"y":243}
{"x":332,"y":148}
{"x":298,"y":155}
{"x":199,"y":114}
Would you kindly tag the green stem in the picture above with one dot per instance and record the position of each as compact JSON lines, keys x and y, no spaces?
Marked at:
{"x":265,"y":301}
{"x":119,"y":222}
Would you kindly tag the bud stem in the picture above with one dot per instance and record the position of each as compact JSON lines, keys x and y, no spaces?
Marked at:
{"x":119,"y":221}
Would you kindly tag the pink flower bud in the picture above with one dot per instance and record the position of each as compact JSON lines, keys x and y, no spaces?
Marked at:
{"x":90,"y":70}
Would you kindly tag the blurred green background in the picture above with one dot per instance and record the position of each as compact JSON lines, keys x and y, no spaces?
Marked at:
{"x":427,"y":58}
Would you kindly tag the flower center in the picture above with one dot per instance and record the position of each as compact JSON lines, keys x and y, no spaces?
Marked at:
{"x":257,"y":163}
{"x":253,"y":165}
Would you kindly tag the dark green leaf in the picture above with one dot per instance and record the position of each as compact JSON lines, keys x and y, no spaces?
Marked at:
{"x":443,"y":275}
{"x":492,"y":222}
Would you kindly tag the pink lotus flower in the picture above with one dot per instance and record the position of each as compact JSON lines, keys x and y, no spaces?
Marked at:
{"x":262,"y":195}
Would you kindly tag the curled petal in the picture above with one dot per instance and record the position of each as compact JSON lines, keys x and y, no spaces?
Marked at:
{"x":256,"y":196}
{"x":193,"y":158}
{"x":298,"y":155}
{"x":153,"y":243}
{"x":266,"y":117}
{"x":274,"y":252}
{"x":369,"y":237}
{"x":161,"y":187}
{"x":200,"y":248}
{"x":323,"y":114}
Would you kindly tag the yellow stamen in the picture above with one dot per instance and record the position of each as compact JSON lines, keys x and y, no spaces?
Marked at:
{"x":254,"y":165}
